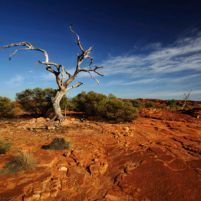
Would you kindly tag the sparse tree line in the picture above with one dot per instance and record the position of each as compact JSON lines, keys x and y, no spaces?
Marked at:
{"x":37,"y":102}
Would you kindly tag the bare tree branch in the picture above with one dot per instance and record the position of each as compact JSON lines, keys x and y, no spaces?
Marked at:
{"x":92,"y":70}
{"x":67,"y":73}
{"x":50,"y":69}
{"x":75,"y":86}
{"x":77,"y":39}
{"x":15,"y":52}
{"x":97,"y":81}
{"x":29,"y":47}
{"x":58,"y":67}
{"x":186,"y":98}
{"x":85,"y":54}
{"x":49,"y":64}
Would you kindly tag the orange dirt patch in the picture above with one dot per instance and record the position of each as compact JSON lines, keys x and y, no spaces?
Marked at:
{"x":157,"y":158}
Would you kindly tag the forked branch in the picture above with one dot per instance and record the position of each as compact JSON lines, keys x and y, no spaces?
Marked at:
{"x":28,"y":46}
{"x":85,"y":54}
{"x":50,"y":66}
{"x":186,"y":98}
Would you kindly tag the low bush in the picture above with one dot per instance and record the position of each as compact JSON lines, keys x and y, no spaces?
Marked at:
{"x":57,"y":144}
{"x":172,"y":104}
{"x":89,"y":102}
{"x":6,"y":107}
{"x":4,"y":146}
{"x":22,"y":162}
{"x":162,"y":106}
{"x":118,"y":111}
{"x":106,"y":107}
{"x":68,"y":105}
{"x":149,"y":104}
{"x":136,"y":103}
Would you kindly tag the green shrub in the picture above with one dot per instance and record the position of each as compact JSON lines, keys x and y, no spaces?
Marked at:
{"x":89,"y":102}
{"x":136,"y":103}
{"x":162,"y":106}
{"x":68,"y":104}
{"x":57,"y":144}
{"x":119,"y":111}
{"x":107,"y":107}
{"x":172,"y":104}
{"x":23,"y":161}
{"x":111,"y":96}
{"x":4,"y":147}
{"x":38,"y":101}
{"x":6,"y":107}
{"x":149,"y":104}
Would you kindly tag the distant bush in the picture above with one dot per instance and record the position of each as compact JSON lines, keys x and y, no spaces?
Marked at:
{"x":111,"y":96}
{"x":162,"y":106}
{"x":38,"y":101}
{"x":68,"y":104}
{"x":6,"y":107}
{"x":89,"y":102}
{"x":57,"y":144}
{"x":149,"y":104}
{"x":136,"y":103}
{"x":17,"y":110}
{"x":118,"y":111}
{"x":172,"y":104}
{"x":4,"y":146}
{"x":107,"y":107}
{"x":23,"y":161}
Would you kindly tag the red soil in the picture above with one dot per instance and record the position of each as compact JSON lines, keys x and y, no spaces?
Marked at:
{"x":155,"y":158}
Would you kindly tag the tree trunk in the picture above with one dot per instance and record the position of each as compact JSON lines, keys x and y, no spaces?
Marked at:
{"x":56,"y":104}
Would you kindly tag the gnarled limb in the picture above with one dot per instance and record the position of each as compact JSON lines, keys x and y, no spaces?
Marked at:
{"x":92,"y":70}
{"x":75,"y":86}
{"x":29,"y":47}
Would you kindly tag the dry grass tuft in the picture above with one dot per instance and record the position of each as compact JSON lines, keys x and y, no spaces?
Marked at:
{"x":4,"y":146}
{"x":21,"y":162}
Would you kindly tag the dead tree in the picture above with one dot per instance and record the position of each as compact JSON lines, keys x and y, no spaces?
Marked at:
{"x":186,"y":98}
{"x":62,"y":76}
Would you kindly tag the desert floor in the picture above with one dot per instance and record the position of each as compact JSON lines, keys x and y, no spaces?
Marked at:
{"x":155,"y":158}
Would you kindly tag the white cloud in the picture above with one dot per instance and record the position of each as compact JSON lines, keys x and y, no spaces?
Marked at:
{"x":15,"y":81}
{"x":148,"y":80}
{"x":158,"y":71}
{"x":184,"y":54}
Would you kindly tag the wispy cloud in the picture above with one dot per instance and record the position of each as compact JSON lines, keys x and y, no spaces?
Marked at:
{"x":158,"y":71}
{"x":184,"y":54}
{"x":141,"y":81}
{"x":15,"y":81}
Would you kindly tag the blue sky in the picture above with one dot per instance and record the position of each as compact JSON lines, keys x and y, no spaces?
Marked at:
{"x":148,"y":50}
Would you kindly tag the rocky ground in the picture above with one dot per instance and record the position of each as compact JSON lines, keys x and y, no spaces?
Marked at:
{"x":155,"y":158}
